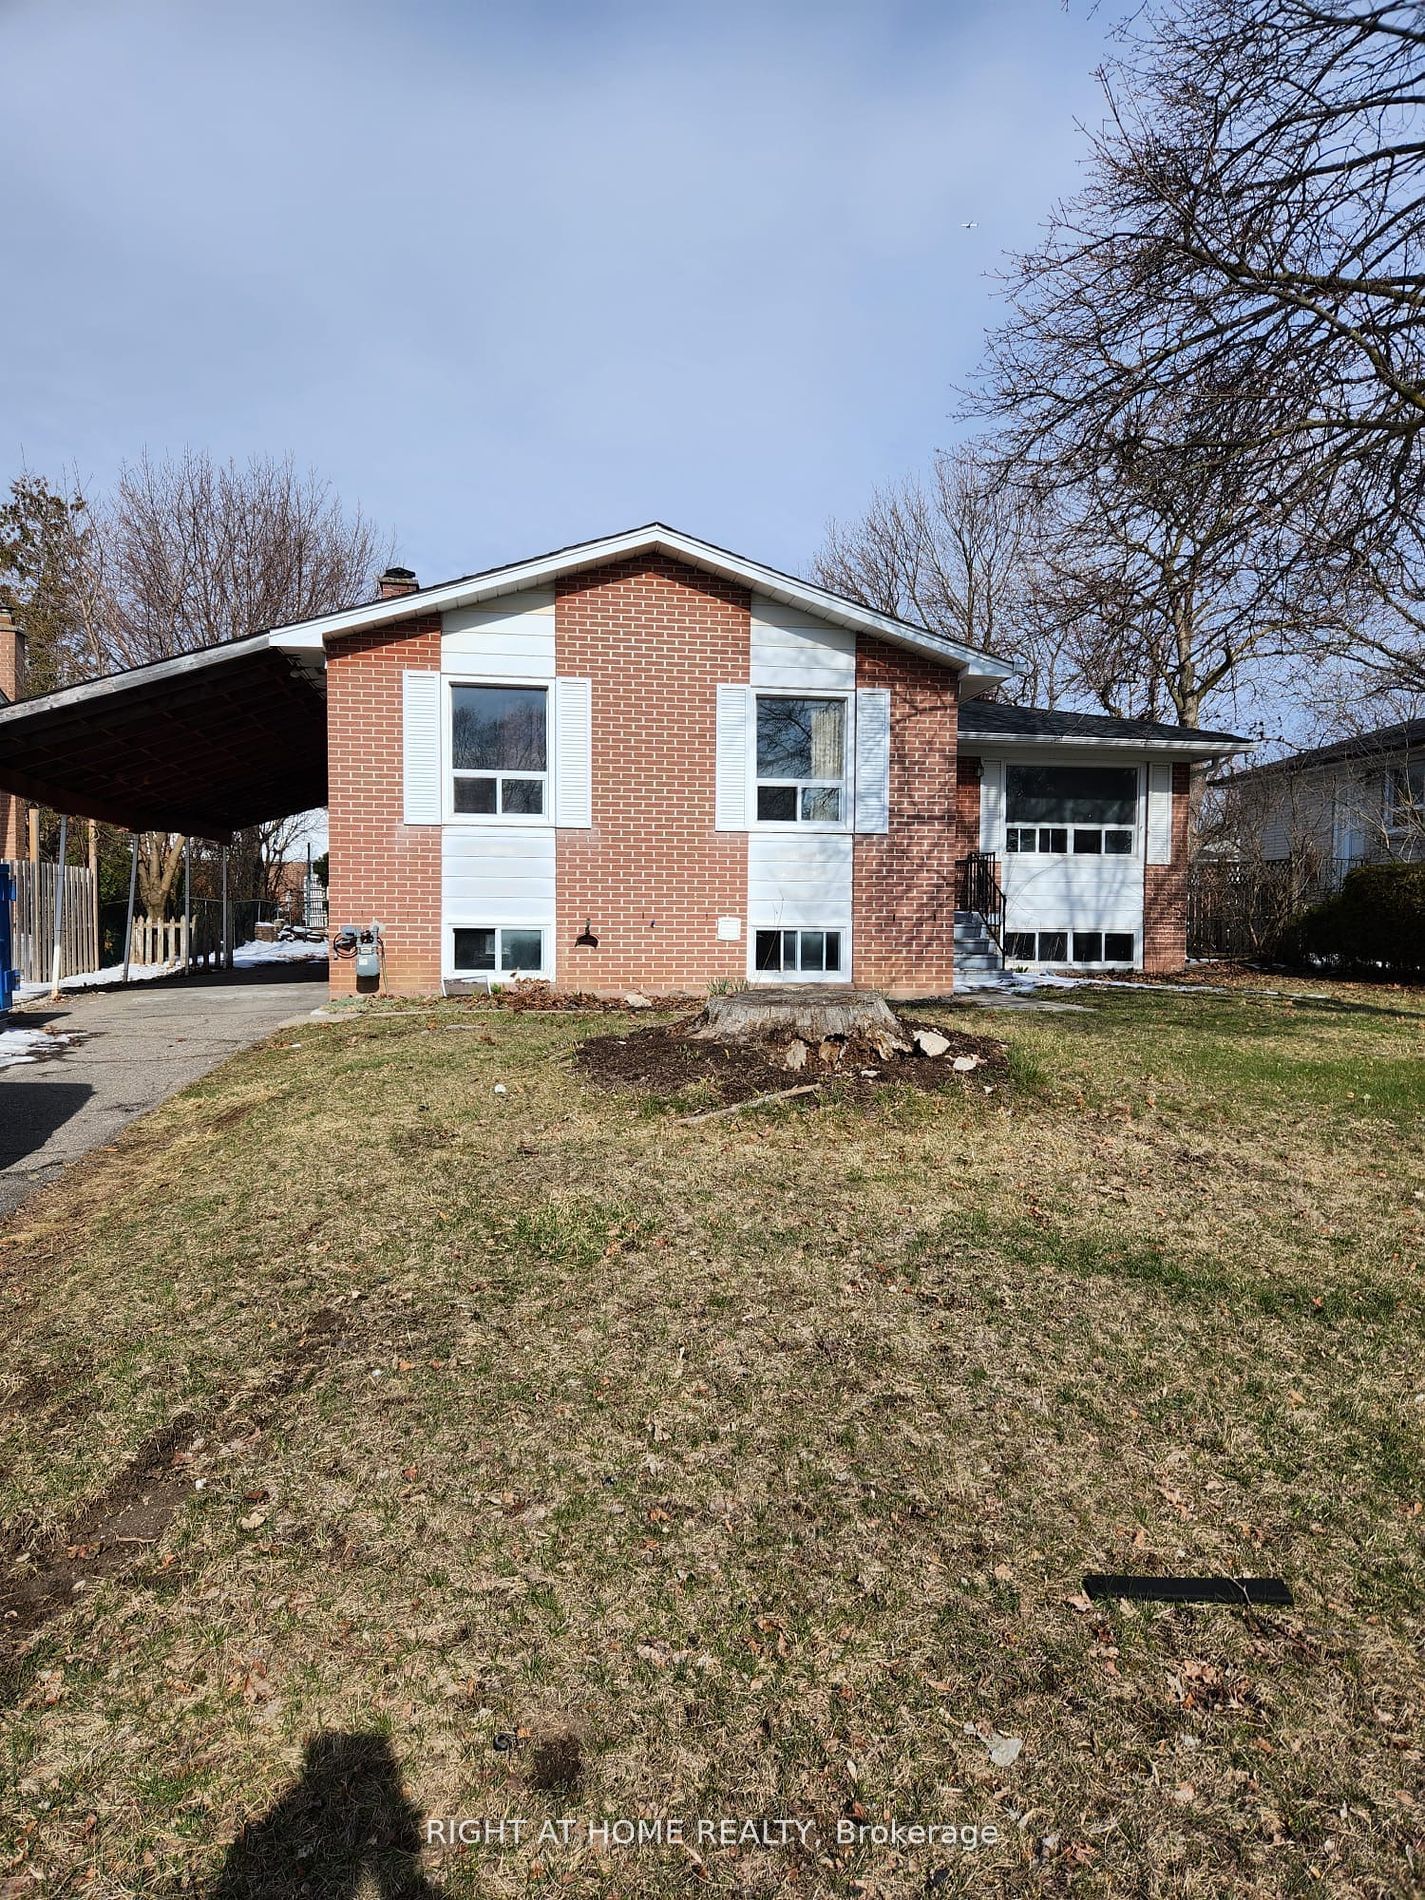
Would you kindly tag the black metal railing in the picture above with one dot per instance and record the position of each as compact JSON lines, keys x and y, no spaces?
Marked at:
{"x":978,"y":889}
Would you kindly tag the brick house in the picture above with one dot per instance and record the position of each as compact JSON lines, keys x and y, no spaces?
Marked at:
{"x":646,"y":763}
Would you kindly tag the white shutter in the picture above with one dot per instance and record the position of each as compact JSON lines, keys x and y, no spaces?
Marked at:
{"x":1160,"y":814}
{"x":873,"y":758}
{"x":734,"y":720}
{"x":573,"y":752}
{"x":420,"y":748}
{"x":992,"y":806}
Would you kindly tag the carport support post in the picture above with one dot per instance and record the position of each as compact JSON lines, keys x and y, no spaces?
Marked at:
{"x":227,"y":947}
{"x":59,"y":870}
{"x":133,"y":886}
{"x":187,"y":903}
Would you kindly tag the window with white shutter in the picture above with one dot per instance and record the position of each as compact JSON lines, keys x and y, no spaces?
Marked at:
{"x":1160,"y":814}
{"x":734,"y":719}
{"x":573,"y":752}
{"x":873,"y":758}
{"x":420,"y":748}
{"x":992,"y":805}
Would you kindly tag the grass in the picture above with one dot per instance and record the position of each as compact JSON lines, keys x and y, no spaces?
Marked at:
{"x":737,"y":1469}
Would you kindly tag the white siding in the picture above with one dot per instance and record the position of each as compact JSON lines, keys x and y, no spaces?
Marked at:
{"x":513,"y":639}
{"x":490,"y":876}
{"x":796,"y":880}
{"x":420,"y":748}
{"x":1072,"y":893}
{"x":792,"y":652}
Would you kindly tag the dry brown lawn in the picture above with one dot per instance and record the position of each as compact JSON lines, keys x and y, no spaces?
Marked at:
{"x":538,"y":1456}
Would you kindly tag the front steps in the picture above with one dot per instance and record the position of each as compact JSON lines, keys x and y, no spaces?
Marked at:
{"x":975,"y":949}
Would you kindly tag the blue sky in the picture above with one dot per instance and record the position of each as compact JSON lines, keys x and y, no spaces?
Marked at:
{"x":515,"y":275}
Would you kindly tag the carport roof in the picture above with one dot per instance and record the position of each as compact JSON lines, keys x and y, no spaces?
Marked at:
{"x":203,"y":744}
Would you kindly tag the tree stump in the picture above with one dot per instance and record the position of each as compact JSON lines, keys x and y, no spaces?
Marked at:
{"x":811,"y":1013}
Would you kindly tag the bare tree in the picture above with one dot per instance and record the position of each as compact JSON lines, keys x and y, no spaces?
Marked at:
{"x":184,"y":552}
{"x":198,"y":551}
{"x":1178,"y":577}
{"x":958,"y":553}
{"x":192,"y":552}
{"x":1243,"y":277}
{"x":1253,"y":217}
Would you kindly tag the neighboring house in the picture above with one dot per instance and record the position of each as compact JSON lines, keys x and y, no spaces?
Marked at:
{"x":1357,"y":801}
{"x":644,"y":762}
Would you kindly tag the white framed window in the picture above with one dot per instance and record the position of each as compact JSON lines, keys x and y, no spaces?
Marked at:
{"x":496,"y":951}
{"x":499,"y":751}
{"x":800,"y":760}
{"x":1071,"y":810}
{"x":1079,"y":948}
{"x":804,"y":953}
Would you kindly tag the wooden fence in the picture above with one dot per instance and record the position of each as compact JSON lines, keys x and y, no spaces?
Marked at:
{"x":33,"y":922}
{"x":162,"y":940}
{"x":1237,"y":907}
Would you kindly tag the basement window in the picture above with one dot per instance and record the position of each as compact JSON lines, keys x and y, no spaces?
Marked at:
{"x":801,"y":760}
{"x":798,"y":952}
{"x":1052,"y":946}
{"x":499,"y":750}
{"x":498,"y":951}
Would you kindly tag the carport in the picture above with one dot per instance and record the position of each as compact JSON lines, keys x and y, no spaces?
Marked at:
{"x":201,"y":745}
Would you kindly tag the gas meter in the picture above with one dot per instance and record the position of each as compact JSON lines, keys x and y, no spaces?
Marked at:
{"x":361,"y":944}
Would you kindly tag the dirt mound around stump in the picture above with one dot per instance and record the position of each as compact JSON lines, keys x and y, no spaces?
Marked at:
{"x":693,"y":1058}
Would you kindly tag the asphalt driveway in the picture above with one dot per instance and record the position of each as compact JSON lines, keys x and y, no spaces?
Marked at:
{"x":136,"y":1048}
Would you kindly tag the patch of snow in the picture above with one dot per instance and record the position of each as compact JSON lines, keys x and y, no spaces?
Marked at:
{"x":249,"y":954}
{"x":1016,"y":982}
{"x":26,"y":1045}
{"x":102,"y":979}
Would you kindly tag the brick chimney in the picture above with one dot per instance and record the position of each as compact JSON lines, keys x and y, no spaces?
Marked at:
{"x":12,"y":660}
{"x":395,"y":582}
{"x":12,"y":686}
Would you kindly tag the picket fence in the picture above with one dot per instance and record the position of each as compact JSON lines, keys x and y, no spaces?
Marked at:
{"x":32,"y":921}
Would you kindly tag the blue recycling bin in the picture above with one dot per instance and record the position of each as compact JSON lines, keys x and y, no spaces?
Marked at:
{"x":9,"y":976}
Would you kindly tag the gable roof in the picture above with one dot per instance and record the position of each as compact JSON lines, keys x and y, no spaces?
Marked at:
{"x":1385,"y":741}
{"x":1029,"y":725}
{"x":979,"y":671}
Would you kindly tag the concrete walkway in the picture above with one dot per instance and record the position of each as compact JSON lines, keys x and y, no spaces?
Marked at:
{"x":139,"y":1047}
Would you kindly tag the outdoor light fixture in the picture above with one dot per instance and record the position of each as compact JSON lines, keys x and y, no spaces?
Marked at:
{"x":586,"y":940}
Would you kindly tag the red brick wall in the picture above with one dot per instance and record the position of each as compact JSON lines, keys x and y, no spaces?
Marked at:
{"x":652,"y":876}
{"x":903,"y":906}
{"x":380,"y":867}
{"x":1165,"y":891}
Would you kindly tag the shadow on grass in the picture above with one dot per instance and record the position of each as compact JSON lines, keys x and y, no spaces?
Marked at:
{"x":345,"y":1827}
